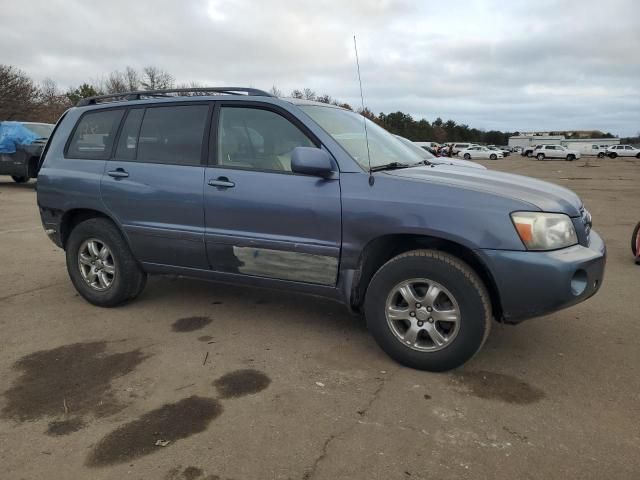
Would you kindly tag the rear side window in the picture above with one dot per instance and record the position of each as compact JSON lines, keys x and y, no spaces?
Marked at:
{"x":128,"y":142}
{"x":94,"y":135}
{"x":172,"y":135}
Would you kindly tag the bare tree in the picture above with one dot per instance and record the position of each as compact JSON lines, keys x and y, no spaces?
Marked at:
{"x":326,"y":98}
{"x":132,"y":78}
{"x":309,"y":94}
{"x":51,"y":102}
{"x":18,"y":94}
{"x":297,"y":94}
{"x":275,"y":91}
{"x":116,"y":82}
{"x":154,"y":78}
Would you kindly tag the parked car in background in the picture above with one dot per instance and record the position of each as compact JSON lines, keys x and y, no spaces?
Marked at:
{"x":528,"y":151}
{"x":476,"y":152}
{"x":238,"y":186}
{"x":430,"y":146}
{"x":543,"y":152}
{"x":505,"y":153}
{"x":623,"y":151}
{"x":457,"y":147}
{"x":21,"y":144}
{"x":431,"y":159}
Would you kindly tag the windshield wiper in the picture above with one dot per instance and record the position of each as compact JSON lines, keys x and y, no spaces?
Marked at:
{"x":391,"y":166}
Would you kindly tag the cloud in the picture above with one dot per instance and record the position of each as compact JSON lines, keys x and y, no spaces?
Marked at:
{"x":517,"y":65}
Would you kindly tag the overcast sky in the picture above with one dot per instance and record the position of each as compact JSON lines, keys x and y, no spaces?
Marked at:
{"x":509,"y":65}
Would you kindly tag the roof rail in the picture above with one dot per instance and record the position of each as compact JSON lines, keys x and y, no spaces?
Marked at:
{"x":172,"y":92}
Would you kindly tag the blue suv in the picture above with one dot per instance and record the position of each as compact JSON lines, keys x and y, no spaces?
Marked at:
{"x":234,"y":185}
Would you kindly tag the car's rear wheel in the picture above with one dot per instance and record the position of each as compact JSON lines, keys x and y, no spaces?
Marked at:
{"x":635,"y":240}
{"x":467,"y":156}
{"x":428,"y":310}
{"x":638,"y":155}
{"x":571,"y":158}
{"x":540,"y":156}
{"x":493,"y":156}
{"x":529,"y":154}
{"x":101,"y":265}
{"x":601,"y":155}
{"x":613,"y":155}
{"x":20,"y":179}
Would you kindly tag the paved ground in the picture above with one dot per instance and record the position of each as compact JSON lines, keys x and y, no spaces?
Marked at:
{"x":252,"y":384}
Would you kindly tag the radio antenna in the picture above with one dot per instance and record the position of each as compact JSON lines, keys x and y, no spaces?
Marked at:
{"x":364,"y":119}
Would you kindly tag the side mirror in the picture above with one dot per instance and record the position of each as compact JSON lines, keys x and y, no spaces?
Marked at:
{"x":311,"y":161}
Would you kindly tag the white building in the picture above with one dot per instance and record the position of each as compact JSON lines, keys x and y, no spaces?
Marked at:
{"x":527,"y":140}
{"x":582,"y":145}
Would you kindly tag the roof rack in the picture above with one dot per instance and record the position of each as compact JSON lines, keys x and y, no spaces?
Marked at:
{"x":172,"y":92}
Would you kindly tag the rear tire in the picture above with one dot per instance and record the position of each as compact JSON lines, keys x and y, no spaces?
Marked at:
{"x":461,"y":291}
{"x":601,"y":155}
{"x":20,"y":179}
{"x":493,"y":156}
{"x":540,"y":156}
{"x":467,"y":156}
{"x":571,"y":158}
{"x":638,"y":156}
{"x":529,"y":154}
{"x":108,"y":281}
{"x":613,"y":155}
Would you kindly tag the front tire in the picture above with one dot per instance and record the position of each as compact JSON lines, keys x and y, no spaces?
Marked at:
{"x":428,"y":310}
{"x":601,"y":155}
{"x":613,"y":155}
{"x":493,"y":156}
{"x":20,"y":179}
{"x":101,"y":265}
{"x":571,"y":158}
{"x":635,"y":240}
{"x":529,"y":154}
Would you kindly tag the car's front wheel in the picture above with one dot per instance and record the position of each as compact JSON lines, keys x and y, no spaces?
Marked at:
{"x":601,"y":155}
{"x":540,"y":156}
{"x":635,"y":240}
{"x":613,"y":155}
{"x":428,"y":310}
{"x":101,"y":265}
{"x":529,"y":154}
{"x":571,"y":158}
{"x":493,"y":156}
{"x":20,"y":179}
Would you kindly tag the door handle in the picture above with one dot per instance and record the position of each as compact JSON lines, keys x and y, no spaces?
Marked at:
{"x":221,"y":182}
{"x":118,"y":173}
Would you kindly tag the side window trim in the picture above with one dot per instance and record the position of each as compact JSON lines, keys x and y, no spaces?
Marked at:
{"x":213,"y":160}
{"x":67,"y":145}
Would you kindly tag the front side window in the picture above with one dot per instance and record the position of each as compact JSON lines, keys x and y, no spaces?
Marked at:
{"x":628,"y":148}
{"x":171,"y":135}
{"x":257,"y":139}
{"x":94,"y":135}
{"x":347,"y":128}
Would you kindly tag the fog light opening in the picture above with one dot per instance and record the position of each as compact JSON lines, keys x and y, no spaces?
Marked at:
{"x":579,"y":283}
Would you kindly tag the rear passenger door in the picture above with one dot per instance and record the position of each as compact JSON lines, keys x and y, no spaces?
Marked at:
{"x":153,"y":184}
{"x":261,"y":218}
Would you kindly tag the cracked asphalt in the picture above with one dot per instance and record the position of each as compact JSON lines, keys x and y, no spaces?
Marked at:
{"x":199,"y":380}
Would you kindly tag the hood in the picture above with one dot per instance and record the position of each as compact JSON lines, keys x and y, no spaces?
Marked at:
{"x":546,"y":196}
{"x":456,"y":162}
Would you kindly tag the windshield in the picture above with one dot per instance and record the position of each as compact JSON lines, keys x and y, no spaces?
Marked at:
{"x":43,"y":130}
{"x":347,"y":128}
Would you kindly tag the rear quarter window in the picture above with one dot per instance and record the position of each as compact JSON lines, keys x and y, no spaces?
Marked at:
{"x":94,"y":135}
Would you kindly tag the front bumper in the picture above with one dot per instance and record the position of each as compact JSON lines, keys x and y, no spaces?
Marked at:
{"x":531,"y":284}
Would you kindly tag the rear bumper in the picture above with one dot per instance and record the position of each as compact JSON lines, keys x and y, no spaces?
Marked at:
{"x":531,"y":284}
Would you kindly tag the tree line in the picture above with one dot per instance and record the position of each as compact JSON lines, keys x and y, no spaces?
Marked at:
{"x":21,"y":98}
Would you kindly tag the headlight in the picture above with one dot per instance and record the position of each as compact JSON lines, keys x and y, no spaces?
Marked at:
{"x":544,"y":231}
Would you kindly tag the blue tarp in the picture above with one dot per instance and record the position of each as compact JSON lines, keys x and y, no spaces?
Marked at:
{"x":13,"y":134}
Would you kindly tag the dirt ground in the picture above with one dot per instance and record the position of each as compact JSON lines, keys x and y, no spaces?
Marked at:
{"x":198,"y":380}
